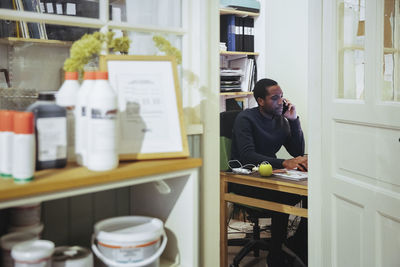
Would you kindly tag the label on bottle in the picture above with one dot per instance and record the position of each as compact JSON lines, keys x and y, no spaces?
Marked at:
{"x":103,"y":114}
{"x":52,"y":138}
{"x":104,"y":121}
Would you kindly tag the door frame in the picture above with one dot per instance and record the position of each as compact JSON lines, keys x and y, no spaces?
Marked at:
{"x":315,"y":115}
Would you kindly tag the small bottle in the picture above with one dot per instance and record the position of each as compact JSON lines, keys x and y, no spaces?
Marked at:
{"x":51,"y":132}
{"x":6,"y":142}
{"x":102,"y":125}
{"x":66,"y":97}
{"x":81,"y":118}
{"x":23,"y":166}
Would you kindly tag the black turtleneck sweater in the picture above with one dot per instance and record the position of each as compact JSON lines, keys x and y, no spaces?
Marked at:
{"x":257,"y":138}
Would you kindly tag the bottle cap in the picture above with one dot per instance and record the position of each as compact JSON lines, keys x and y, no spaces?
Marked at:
{"x":102,"y":75}
{"x":23,"y":123}
{"x":71,"y":75}
{"x":48,"y":95}
{"x":89,"y":75}
{"x":6,"y":120}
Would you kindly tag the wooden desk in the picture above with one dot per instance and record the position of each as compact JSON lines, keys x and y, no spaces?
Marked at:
{"x":255,"y":180}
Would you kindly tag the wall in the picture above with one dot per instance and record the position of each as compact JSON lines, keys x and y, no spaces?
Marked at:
{"x":286,"y":52}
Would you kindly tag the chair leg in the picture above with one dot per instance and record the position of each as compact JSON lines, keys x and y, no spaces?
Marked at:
{"x":256,"y":236}
{"x":243,"y":252}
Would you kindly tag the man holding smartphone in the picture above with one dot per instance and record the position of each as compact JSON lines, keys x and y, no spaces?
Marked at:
{"x":258,"y":134}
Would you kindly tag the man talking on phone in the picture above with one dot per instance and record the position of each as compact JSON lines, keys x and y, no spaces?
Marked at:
{"x":258,"y":134}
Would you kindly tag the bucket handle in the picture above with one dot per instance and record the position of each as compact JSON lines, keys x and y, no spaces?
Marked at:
{"x":131,"y":264}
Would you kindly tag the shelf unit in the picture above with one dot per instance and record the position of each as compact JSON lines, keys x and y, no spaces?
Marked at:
{"x":15,"y":40}
{"x":181,"y":175}
{"x":234,"y":53}
{"x":236,"y":93}
{"x":229,"y":55}
{"x":228,"y":11}
{"x":180,"y":209}
{"x":49,"y":184}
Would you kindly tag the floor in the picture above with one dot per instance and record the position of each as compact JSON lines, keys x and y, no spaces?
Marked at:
{"x":236,"y":230}
{"x":250,"y":260}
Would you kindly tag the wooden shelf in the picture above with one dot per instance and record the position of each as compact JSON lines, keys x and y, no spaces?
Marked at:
{"x":237,"y":93}
{"x":238,"y":53}
{"x":74,"y":177}
{"x":15,"y":40}
{"x":228,"y":11}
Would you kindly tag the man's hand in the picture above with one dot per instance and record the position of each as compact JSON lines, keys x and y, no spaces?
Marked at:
{"x":301,"y":163}
{"x":291,"y":112}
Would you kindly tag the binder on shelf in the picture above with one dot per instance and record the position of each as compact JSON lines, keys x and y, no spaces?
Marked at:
{"x":239,"y":33}
{"x":33,"y":28}
{"x":228,"y":31}
{"x":22,"y":24}
{"x":254,"y":76}
{"x":248,"y":39}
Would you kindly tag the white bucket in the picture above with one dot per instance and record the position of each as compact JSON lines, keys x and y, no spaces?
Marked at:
{"x":8,"y":241}
{"x":129,"y":241}
{"x":72,"y":257}
{"x":35,"y":253}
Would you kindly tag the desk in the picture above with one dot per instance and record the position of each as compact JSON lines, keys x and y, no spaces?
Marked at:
{"x":272,"y":183}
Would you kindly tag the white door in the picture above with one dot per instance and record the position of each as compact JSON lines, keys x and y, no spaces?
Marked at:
{"x":354,"y":133}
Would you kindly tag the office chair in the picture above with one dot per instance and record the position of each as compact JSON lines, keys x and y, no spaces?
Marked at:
{"x":252,"y":242}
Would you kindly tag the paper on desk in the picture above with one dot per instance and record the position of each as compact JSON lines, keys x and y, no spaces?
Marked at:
{"x":293,"y":175}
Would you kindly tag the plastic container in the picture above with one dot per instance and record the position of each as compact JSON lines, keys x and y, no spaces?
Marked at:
{"x":102,"y":125}
{"x":72,"y":257}
{"x":6,"y":142}
{"x":8,"y":241}
{"x":81,"y":118}
{"x":26,"y":215}
{"x":51,"y":132}
{"x":34,"y":229}
{"x":23,"y":162}
{"x":36,"y":253}
{"x":66,"y":97}
{"x":129,"y":241}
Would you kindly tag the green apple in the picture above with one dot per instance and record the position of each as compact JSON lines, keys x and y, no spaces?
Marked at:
{"x":265,"y":169}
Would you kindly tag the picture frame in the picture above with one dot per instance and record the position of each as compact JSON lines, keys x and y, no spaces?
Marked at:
{"x":150,"y":113}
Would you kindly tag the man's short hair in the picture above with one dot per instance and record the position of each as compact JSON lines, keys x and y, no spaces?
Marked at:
{"x":260,"y":89}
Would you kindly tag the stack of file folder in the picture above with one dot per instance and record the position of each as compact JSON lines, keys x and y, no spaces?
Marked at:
{"x":230,"y":80}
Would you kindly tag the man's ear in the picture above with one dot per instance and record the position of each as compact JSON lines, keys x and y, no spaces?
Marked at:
{"x":260,"y":101}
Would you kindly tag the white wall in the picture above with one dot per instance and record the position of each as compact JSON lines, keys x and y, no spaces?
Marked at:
{"x":286,"y":52}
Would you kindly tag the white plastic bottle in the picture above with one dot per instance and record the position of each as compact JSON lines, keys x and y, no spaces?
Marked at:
{"x":6,"y":141}
{"x":36,"y":253}
{"x":66,"y":97}
{"x":102,"y":125}
{"x":81,"y":118}
{"x":23,"y":162}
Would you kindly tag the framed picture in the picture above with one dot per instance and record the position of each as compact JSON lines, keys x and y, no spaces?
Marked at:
{"x":150,"y":108}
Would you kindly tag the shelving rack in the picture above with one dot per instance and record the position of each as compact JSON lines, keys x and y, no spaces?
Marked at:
{"x":230,"y":54}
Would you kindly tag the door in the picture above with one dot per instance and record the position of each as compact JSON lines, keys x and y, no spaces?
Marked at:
{"x":355,"y":169}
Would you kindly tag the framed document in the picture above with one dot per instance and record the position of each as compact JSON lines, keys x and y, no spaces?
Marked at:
{"x":149,"y":103}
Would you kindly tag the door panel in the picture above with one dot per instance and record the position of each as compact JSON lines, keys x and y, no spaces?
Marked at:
{"x":364,"y":150}
{"x":388,"y":241}
{"x":347,"y":234}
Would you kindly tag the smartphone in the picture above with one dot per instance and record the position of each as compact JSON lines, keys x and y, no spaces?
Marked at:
{"x":285,"y":106}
